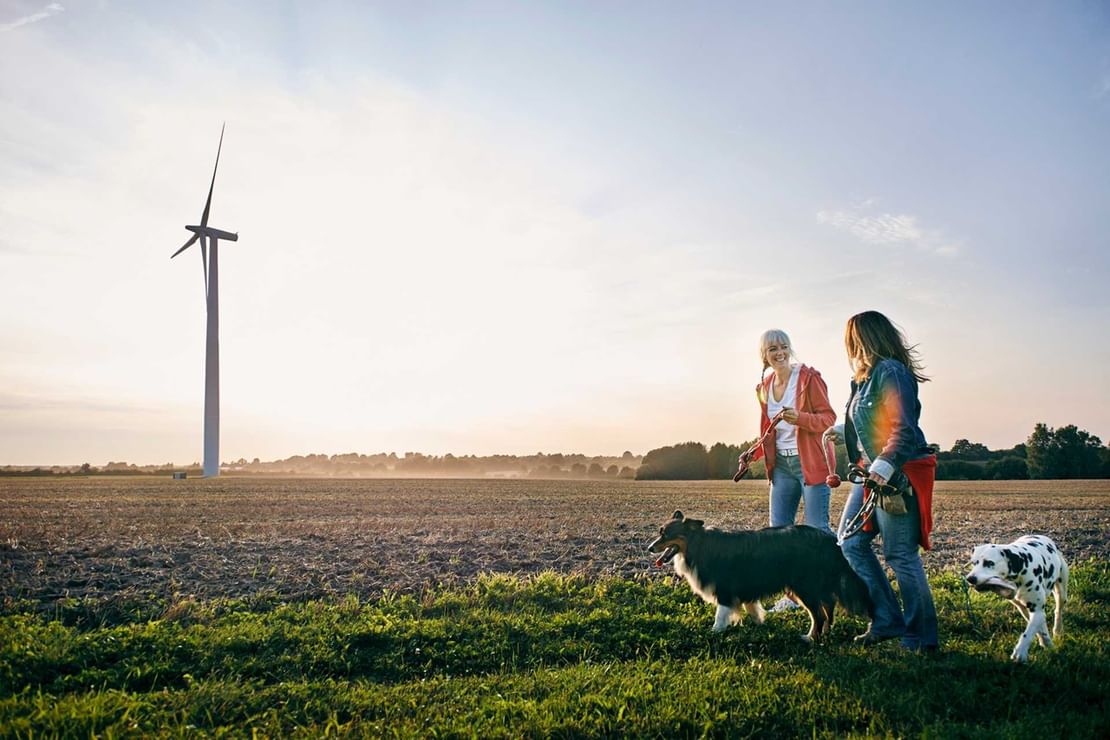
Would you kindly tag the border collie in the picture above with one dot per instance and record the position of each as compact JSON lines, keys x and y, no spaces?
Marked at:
{"x":737,"y":569}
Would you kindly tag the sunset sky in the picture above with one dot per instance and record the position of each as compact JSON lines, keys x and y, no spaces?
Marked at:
{"x":516,"y":227}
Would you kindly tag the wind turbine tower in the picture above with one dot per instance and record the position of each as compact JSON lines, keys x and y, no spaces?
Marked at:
{"x":209,"y":239}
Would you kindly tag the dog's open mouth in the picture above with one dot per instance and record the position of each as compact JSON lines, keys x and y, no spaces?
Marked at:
{"x":666,"y":557}
{"x":997,"y":585}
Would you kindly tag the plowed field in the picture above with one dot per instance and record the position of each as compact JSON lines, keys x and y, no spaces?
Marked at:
{"x":105,"y":539}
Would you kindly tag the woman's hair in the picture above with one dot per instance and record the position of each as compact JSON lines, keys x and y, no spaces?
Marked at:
{"x":871,"y":337}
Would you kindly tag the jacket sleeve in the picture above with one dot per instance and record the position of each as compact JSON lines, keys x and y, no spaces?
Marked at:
{"x":899,"y":394}
{"x":822,"y":417}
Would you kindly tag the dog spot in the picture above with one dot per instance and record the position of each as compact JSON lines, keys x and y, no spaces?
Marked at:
{"x":988,"y":563}
{"x":1014,"y":561}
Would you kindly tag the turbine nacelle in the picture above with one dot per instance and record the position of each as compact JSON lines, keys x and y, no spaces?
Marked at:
{"x":212,"y":233}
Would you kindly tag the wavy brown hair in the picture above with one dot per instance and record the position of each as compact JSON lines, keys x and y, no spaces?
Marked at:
{"x":870,"y":337}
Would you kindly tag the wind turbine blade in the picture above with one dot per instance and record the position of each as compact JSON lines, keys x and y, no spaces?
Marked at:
{"x":208,"y":203}
{"x":184,"y":246}
{"x":204,"y":263}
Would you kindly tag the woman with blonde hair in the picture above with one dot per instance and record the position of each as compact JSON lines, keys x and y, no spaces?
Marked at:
{"x":794,"y":454}
{"x":883,"y":438}
{"x":795,"y":457}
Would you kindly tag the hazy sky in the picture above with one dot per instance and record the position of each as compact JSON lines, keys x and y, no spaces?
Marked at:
{"x":519,"y":227}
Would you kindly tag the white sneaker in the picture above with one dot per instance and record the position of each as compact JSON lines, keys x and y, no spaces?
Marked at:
{"x":785,"y":604}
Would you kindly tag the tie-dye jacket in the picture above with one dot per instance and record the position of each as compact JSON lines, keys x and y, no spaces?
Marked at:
{"x":882,"y":419}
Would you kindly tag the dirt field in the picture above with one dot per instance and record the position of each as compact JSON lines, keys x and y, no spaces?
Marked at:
{"x":111,"y":539}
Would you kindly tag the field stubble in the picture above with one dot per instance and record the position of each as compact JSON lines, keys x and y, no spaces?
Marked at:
{"x":109,"y":540}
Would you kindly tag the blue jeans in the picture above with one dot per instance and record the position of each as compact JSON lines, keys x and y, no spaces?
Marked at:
{"x":916,"y":621}
{"x":787,"y":489}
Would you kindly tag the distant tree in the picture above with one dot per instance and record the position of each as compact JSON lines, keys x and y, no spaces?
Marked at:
{"x":86,"y":468}
{"x":612,"y":471}
{"x":965,"y":450}
{"x":627,"y":473}
{"x":686,"y":461}
{"x":1067,"y":452}
{"x":959,"y":470}
{"x":1006,"y":468}
{"x":722,"y":461}
{"x":627,"y":455}
{"x":595,"y":471}
{"x":578,"y":470}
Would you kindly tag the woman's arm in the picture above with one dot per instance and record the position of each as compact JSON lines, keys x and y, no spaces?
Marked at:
{"x":896,"y":418}
{"x":822,"y":417}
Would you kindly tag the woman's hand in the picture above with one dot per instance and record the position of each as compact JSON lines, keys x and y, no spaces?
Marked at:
{"x":790,"y":416}
{"x":877,"y":478}
{"x":831,"y":435}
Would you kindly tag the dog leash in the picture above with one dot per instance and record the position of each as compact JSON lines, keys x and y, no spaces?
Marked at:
{"x":745,"y":457}
{"x":871,"y":492}
{"x":833,"y":480}
{"x":967,"y":605}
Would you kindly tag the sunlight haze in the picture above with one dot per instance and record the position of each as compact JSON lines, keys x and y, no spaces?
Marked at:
{"x":487,"y":228}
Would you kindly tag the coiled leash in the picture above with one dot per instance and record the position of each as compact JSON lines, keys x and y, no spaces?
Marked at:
{"x":872,"y":491}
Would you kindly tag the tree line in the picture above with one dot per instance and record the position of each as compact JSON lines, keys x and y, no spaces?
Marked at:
{"x":1048,"y":454}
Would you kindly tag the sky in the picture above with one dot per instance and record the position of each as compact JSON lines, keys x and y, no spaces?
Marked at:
{"x":501,"y":227}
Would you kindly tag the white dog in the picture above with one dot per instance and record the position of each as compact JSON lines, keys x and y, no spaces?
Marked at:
{"x":1023,"y":572}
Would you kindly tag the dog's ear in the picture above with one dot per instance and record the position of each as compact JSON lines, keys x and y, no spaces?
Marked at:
{"x":677,"y":515}
{"x":695,"y":523}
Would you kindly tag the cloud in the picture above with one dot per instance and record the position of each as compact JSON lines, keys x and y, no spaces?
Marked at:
{"x":888,"y":228}
{"x":49,"y":10}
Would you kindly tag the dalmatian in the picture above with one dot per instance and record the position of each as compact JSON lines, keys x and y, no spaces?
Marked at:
{"x":1023,"y":572}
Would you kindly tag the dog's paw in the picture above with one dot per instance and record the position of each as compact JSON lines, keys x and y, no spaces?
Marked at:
{"x":1019,"y":656}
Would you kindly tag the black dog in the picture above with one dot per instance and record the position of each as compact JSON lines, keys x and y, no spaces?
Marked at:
{"x":734,"y":569}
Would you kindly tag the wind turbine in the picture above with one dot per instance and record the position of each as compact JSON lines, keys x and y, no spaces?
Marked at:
{"x":203,"y":233}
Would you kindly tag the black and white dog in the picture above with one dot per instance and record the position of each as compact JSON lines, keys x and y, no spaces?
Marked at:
{"x":1023,"y":572}
{"x":735,"y":570}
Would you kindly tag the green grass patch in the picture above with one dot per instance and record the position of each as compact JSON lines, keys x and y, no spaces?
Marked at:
{"x":547,"y":655}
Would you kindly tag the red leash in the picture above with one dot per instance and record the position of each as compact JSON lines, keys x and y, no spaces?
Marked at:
{"x":833,"y":480}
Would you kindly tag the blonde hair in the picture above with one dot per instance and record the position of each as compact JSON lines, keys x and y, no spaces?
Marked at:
{"x":870,"y":337}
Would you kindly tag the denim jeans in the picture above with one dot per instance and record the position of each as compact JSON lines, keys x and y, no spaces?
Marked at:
{"x":916,"y":621}
{"x":787,"y":489}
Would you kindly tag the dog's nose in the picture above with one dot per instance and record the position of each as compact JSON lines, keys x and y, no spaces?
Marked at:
{"x":972,"y":580}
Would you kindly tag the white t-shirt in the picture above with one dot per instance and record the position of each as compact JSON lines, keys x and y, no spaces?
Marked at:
{"x":786,"y":434}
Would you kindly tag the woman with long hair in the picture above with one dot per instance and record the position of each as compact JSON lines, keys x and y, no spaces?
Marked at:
{"x":883,"y":438}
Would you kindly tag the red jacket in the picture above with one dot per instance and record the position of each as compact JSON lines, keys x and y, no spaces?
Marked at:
{"x":815,"y":415}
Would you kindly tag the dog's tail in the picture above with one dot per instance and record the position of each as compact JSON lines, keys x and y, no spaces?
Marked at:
{"x":853,"y":593}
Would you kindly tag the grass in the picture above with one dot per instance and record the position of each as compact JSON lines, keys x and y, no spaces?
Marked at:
{"x":541,"y":656}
